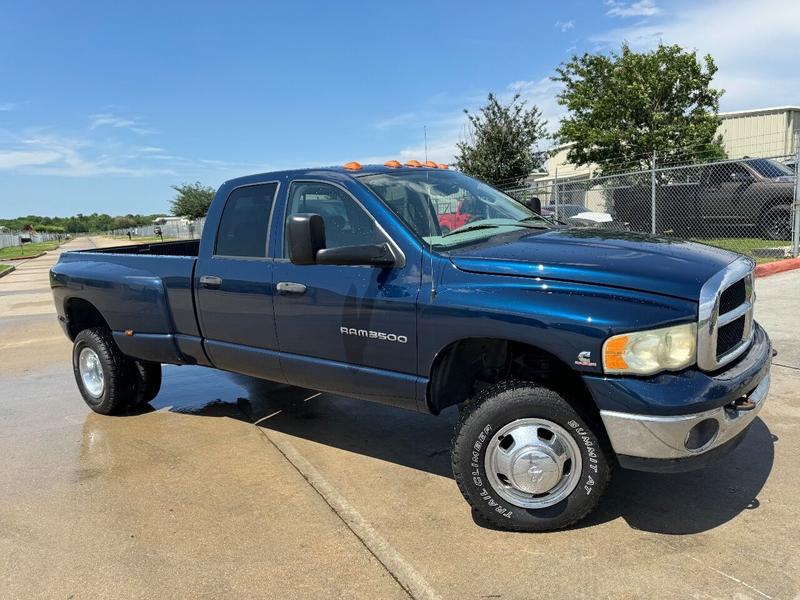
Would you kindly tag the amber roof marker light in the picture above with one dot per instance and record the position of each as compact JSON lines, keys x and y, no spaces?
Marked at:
{"x":353,"y":166}
{"x":392,"y":164}
{"x":442,"y":166}
{"x":431,"y":164}
{"x":413,"y":163}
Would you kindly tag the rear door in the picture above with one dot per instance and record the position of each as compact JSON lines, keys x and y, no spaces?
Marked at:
{"x":347,"y":329}
{"x":724,"y":193}
{"x":234,"y":286}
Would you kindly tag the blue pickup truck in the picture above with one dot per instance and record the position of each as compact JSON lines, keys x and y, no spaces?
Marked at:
{"x":568,"y":351}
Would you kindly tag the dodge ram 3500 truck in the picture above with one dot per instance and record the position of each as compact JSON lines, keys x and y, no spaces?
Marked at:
{"x":567,"y":350}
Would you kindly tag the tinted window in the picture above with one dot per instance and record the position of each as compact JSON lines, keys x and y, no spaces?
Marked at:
{"x":346,"y":223}
{"x":722,"y":173}
{"x":769,"y":168}
{"x":245,"y":222}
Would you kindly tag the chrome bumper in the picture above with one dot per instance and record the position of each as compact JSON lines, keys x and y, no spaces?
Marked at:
{"x":648,"y":436}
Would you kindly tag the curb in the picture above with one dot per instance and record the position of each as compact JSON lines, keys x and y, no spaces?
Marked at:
{"x":30,"y":256}
{"x":778,"y":266}
{"x":7,"y":271}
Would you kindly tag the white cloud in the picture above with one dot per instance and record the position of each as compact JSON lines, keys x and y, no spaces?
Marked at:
{"x":753,"y":44}
{"x":642,"y":8}
{"x":399,"y":120}
{"x":541,"y":92}
{"x":118,"y":122}
{"x":150,"y":150}
{"x":14,"y":159}
{"x":41,"y":151}
{"x":8,"y":106}
{"x":564,"y":26}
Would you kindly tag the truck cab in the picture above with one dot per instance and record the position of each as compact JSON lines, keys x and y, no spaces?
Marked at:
{"x":567,"y":351}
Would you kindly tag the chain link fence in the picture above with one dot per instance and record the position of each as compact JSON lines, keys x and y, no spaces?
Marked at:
{"x":177,"y":229}
{"x":19,"y":238}
{"x":748,"y":205}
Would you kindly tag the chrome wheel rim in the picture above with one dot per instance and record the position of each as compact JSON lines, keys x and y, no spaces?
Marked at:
{"x":778,"y":229}
{"x":91,"y":372}
{"x":533,"y":463}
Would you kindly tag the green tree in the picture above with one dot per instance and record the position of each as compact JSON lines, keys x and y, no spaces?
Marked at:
{"x":192,"y":200}
{"x":625,"y":107}
{"x":76,"y":224}
{"x":501,"y":148}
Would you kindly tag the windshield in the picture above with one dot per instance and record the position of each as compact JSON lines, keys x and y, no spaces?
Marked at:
{"x":448,"y":208}
{"x":769,"y":168}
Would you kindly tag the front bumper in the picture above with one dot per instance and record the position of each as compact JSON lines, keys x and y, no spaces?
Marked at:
{"x":654,"y":434}
{"x":653,"y":437}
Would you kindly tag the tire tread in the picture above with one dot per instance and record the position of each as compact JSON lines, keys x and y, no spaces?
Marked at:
{"x":510,"y":391}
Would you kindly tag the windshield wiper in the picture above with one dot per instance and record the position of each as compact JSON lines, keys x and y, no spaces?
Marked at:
{"x":537,"y":218}
{"x":488,"y":225}
{"x":474,"y":227}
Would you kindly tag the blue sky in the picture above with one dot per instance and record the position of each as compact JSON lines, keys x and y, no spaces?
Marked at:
{"x":105,"y":105}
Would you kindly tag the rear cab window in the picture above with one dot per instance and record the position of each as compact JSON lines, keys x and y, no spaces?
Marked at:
{"x":244,"y":225}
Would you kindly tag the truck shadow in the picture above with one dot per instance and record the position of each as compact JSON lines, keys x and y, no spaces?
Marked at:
{"x":673,"y":504}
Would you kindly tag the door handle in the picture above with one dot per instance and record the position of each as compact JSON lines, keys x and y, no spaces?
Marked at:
{"x":210,"y":281}
{"x":289,"y":287}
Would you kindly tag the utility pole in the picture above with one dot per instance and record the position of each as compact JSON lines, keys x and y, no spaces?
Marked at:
{"x":653,"y":196}
{"x":796,"y":202}
{"x":555,"y":194}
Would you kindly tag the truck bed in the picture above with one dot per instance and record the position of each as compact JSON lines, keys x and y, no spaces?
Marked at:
{"x":146,"y":289}
{"x":178,"y":248}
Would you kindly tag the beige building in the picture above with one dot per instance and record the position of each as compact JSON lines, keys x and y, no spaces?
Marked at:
{"x":762,"y":132}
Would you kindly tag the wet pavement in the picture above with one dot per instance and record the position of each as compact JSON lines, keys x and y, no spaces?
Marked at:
{"x":229,"y":486}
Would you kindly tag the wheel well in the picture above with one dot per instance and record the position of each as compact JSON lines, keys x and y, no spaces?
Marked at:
{"x":775,"y":203}
{"x":465,"y":366}
{"x":81,"y":315}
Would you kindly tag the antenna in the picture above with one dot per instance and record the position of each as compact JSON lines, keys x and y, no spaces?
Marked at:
{"x":425,"y":134}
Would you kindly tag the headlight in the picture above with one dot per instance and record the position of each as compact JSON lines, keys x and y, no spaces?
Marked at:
{"x":648,"y":352}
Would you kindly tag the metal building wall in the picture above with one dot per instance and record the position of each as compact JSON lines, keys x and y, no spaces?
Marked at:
{"x":759,"y":133}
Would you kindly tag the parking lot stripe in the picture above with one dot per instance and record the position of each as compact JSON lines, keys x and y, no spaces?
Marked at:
{"x":405,"y":575}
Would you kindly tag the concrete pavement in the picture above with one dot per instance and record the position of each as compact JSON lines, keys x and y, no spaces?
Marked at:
{"x":332,"y":497}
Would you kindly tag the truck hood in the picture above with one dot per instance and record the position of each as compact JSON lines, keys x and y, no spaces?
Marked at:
{"x":601,"y":257}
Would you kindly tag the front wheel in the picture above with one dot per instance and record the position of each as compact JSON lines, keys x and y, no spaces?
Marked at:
{"x":526,"y":460}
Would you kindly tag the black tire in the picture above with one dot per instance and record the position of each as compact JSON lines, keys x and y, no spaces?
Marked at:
{"x":499,"y":406}
{"x":117,"y":389}
{"x":146,"y":378}
{"x":776,"y":223}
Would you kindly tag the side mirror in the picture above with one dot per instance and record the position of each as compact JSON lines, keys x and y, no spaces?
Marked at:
{"x":305,"y":237}
{"x":535,"y":204}
{"x":376,"y":255}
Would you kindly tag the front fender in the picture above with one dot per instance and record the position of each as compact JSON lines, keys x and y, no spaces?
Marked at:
{"x":563,"y":318}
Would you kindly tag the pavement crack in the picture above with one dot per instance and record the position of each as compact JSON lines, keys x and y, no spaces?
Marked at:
{"x":395,"y":565}
{"x":717,"y":571}
{"x":792,"y":367}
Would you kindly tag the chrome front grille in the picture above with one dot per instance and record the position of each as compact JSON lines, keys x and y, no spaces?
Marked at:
{"x":725,"y":316}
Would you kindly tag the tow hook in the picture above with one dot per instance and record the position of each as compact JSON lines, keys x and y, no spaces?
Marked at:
{"x":744,"y":404}
{"x":739,"y":406}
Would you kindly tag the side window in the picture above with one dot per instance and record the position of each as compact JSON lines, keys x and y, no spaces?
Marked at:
{"x":716,"y":174}
{"x":346,"y":223}
{"x":245,"y":222}
{"x":722,"y":173}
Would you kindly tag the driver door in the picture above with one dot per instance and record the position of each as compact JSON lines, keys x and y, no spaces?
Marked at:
{"x":348,"y":329}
